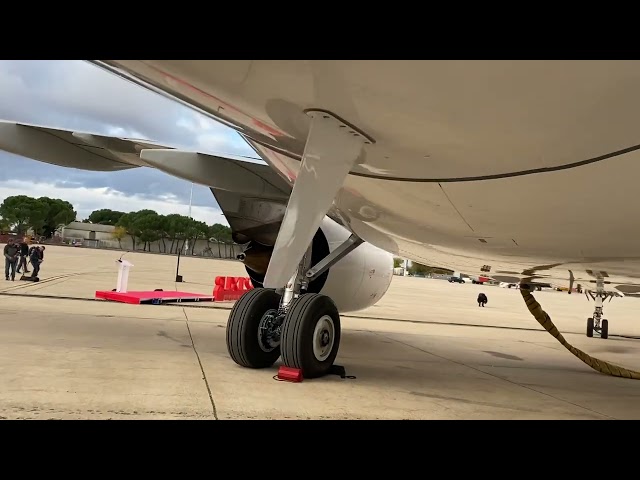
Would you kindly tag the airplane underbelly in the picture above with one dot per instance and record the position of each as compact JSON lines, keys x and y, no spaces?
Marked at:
{"x":540,"y":225}
{"x":464,"y":170}
{"x":430,"y":119}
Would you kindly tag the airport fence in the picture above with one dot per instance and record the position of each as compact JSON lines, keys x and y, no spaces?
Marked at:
{"x":202,"y":248}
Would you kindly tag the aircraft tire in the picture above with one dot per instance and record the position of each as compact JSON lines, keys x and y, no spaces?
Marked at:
{"x":311,"y":335}
{"x":604,"y":332}
{"x":245,"y":319}
{"x":589,"y":327}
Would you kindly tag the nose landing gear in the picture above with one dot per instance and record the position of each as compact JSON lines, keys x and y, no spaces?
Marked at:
{"x":597,"y":323}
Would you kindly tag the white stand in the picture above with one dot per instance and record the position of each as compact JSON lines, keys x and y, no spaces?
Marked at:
{"x":123,"y":275}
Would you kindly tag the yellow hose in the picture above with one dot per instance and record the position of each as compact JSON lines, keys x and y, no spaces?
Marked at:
{"x":598,"y":365}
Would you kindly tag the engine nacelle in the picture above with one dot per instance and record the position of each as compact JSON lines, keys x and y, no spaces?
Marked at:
{"x":357,"y":281}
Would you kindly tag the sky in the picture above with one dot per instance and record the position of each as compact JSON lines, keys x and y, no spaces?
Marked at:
{"x":74,"y":95}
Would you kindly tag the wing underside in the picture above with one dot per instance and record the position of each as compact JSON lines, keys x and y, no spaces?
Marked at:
{"x":81,"y":150}
{"x":252,"y":196}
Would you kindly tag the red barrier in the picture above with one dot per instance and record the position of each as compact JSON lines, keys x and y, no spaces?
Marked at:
{"x":231,"y":288}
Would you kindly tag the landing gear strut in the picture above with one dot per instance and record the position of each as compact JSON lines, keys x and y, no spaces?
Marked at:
{"x":303,"y":328}
{"x":597,"y":323}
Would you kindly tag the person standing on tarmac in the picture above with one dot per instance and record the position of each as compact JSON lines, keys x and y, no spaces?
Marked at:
{"x":36,"y":257}
{"x":11,"y":251}
{"x":24,"y":254}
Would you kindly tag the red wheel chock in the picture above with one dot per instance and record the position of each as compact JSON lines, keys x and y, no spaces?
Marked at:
{"x":289,"y":374}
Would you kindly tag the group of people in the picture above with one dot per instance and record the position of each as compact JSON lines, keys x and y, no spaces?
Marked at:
{"x":18,"y":255}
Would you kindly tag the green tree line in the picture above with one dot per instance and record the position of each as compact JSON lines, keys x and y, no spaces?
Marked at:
{"x":169,"y":231}
{"x":45,"y":215}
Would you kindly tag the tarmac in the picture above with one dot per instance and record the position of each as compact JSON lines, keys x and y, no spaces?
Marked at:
{"x":425,"y":351}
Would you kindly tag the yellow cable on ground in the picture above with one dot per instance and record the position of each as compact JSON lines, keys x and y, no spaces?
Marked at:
{"x":545,"y":320}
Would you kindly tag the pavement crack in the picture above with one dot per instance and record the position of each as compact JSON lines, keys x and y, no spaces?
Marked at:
{"x":204,"y":375}
{"x":496,"y":376}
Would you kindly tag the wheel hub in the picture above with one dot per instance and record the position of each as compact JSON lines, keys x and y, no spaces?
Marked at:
{"x":269,"y":331}
{"x":323,"y":338}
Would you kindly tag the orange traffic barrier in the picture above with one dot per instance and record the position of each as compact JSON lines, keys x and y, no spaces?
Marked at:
{"x":231,"y":288}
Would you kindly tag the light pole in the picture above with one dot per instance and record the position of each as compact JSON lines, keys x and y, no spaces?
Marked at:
{"x":186,"y":243}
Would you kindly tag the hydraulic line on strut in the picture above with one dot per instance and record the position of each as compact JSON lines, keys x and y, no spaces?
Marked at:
{"x":545,"y":320}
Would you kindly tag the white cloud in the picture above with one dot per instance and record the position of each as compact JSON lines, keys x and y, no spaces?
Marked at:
{"x":85,"y":200}
{"x":75,"y":95}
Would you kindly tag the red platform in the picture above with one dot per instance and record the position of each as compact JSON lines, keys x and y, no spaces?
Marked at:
{"x":155,"y":297}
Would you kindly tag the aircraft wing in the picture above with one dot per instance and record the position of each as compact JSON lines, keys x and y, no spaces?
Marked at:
{"x":253,"y":197}
{"x":81,"y":150}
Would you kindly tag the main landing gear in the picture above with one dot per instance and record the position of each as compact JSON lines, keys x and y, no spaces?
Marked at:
{"x":597,"y":323}
{"x":303,"y":328}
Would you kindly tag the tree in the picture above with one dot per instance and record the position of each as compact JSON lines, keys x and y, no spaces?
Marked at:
{"x":21,"y":212}
{"x":45,"y":215}
{"x":118,"y":234}
{"x":176,"y":227}
{"x":105,"y":216}
{"x":59,"y":213}
{"x":148,"y":224}
{"x":397,"y":262}
{"x":128,"y":221}
{"x":220,"y":234}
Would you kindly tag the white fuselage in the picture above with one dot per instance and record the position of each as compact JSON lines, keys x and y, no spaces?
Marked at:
{"x":465,"y":169}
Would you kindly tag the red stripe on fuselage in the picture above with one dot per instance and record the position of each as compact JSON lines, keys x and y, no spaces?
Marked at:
{"x":260,"y":124}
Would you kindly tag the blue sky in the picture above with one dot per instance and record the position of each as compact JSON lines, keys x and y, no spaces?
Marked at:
{"x":75,"y":95}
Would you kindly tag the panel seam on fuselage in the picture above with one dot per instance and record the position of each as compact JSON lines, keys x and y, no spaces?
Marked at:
{"x":495,"y":176}
{"x":455,"y":208}
{"x":477,"y":178}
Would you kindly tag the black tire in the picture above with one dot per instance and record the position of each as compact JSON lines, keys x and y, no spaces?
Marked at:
{"x":242,"y":329}
{"x":303,"y":315}
{"x":589,"y":327}
{"x":604,"y":330}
